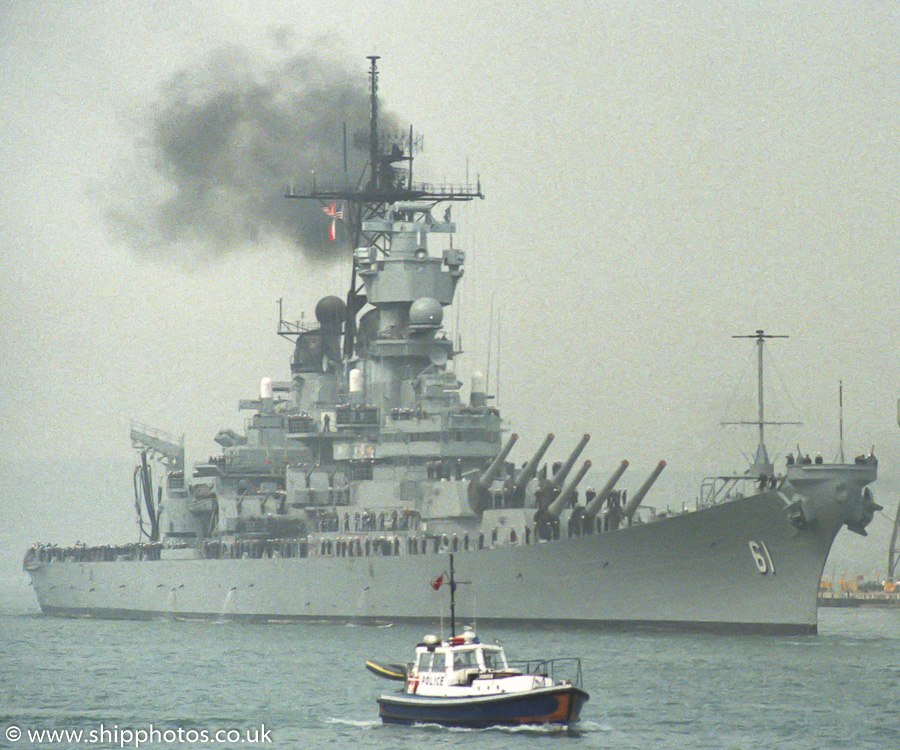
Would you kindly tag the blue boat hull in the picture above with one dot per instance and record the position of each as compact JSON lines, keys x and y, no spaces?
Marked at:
{"x":556,"y":705}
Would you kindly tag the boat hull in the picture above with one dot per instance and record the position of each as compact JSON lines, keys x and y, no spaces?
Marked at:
{"x":736,"y":566}
{"x":554,"y":705}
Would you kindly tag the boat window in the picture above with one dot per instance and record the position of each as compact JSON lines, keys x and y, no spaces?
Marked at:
{"x":493,"y":659}
{"x":439,"y":663}
{"x":424,"y":664}
{"x":464,"y":660}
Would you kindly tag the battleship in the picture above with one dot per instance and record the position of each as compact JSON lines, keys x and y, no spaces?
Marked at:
{"x":356,"y":478}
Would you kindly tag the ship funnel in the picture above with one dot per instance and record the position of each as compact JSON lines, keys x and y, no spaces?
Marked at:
{"x":530,"y":469}
{"x":593,"y":507}
{"x":556,"y":507}
{"x":560,"y":476}
{"x":635,"y":500}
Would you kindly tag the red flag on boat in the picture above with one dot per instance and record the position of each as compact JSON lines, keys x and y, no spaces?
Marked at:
{"x":438,"y":582}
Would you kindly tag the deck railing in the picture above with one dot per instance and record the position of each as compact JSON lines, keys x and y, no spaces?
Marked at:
{"x":566,"y":669}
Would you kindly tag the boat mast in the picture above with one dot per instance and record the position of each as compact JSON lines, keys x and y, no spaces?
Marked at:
{"x":452,"y":599}
{"x":373,"y":121}
{"x":761,"y":464}
{"x":841,"y":458}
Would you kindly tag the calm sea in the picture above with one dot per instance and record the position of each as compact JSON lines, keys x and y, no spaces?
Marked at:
{"x":297,"y":685}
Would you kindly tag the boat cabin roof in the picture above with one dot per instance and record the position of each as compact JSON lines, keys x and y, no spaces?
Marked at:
{"x":459,"y":652}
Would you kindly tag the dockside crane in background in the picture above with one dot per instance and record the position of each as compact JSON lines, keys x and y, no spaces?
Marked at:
{"x":894,"y":549}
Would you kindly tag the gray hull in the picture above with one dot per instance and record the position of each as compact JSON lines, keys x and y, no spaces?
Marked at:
{"x":739,"y":565}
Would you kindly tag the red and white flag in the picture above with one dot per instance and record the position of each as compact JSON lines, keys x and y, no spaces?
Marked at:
{"x":335,"y":213}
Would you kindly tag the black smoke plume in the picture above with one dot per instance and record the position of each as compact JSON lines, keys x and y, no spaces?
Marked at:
{"x":228,"y":136}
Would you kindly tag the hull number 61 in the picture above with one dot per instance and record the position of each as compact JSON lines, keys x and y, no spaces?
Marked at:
{"x":761,"y":557}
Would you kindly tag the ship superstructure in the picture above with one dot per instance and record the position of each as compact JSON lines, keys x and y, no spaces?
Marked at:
{"x":355,"y":478}
{"x":373,"y":420}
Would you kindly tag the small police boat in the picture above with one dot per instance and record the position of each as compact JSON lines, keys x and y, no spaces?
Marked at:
{"x":462,"y":682}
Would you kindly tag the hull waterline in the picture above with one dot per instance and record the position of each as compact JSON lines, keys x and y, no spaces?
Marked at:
{"x":695,"y":571}
{"x":556,"y":705}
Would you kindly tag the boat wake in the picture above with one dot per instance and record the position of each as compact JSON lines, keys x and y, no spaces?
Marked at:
{"x":583,"y":727}
{"x":574,"y":730}
{"x":359,"y":723}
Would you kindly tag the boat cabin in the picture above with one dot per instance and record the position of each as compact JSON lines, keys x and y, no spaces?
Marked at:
{"x":461,"y":665}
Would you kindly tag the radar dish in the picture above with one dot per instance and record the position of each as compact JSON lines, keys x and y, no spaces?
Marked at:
{"x":426,"y":312}
{"x":330,"y":312}
{"x":438,"y":355}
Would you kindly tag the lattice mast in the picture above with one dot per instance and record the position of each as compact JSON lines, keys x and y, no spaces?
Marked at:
{"x":382,"y":184}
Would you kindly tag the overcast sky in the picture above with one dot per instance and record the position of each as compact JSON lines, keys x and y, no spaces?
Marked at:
{"x":658,"y":176}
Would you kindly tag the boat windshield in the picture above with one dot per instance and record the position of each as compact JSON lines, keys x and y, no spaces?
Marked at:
{"x":465,"y":659}
{"x":494,"y":659}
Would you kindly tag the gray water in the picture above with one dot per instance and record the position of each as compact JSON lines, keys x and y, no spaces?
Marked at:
{"x":299,"y":685}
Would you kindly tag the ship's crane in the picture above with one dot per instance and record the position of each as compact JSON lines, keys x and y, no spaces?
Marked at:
{"x":152,"y":443}
{"x":894,"y":549}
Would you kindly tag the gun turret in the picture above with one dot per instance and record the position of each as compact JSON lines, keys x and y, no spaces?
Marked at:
{"x":528,"y":472}
{"x":479,"y":486}
{"x":635,"y":500}
{"x":530,"y":469}
{"x":593,"y":507}
{"x":484,"y":481}
{"x":556,"y":507}
{"x":560,"y":476}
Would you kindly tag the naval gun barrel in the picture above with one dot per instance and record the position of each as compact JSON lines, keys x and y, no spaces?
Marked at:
{"x":593,"y":507}
{"x":479,"y":487}
{"x":556,"y":507}
{"x":490,"y":474}
{"x":530,"y":469}
{"x":635,"y":500}
{"x":560,"y":476}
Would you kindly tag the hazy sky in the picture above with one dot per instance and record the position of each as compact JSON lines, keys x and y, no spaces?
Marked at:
{"x":659,"y":177}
